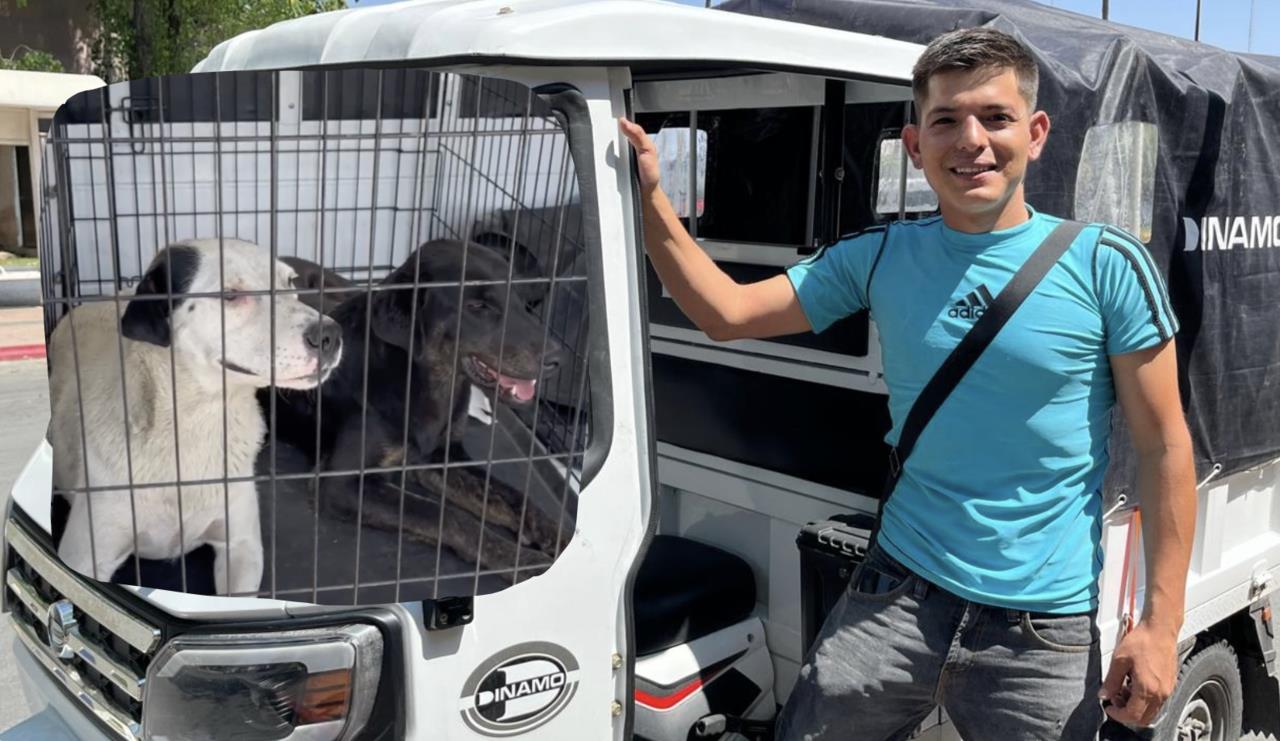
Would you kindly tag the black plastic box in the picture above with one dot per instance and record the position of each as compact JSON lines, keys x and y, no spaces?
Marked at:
{"x":829,"y":551}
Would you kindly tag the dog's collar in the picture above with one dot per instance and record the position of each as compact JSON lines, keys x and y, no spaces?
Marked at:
{"x":237,"y":368}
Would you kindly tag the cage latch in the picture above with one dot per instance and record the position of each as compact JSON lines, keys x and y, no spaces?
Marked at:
{"x":137,"y":110}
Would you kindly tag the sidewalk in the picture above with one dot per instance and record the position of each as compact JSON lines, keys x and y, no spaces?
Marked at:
{"x":21,"y":333}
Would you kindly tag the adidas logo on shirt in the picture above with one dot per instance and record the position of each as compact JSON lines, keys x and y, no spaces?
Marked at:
{"x":972,"y":306}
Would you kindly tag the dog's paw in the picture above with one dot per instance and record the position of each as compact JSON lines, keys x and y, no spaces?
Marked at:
{"x":542,"y":533}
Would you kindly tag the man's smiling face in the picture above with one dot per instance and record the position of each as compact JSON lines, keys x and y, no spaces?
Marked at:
{"x":974,"y":139}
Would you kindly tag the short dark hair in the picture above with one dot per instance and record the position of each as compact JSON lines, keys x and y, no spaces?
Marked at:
{"x":975,"y":49}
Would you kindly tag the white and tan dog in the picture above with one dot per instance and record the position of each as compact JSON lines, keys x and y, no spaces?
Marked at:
{"x":185,"y":347}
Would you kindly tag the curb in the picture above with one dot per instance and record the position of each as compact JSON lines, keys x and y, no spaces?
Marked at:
{"x":21,"y":352}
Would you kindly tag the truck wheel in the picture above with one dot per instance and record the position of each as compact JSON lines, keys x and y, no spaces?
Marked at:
{"x":1208,"y":703}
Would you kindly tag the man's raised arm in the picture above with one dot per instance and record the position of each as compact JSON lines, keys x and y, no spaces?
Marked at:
{"x":718,"y":305}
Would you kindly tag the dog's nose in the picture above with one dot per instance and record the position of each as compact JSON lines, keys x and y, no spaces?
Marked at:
{"x":324,"y":337}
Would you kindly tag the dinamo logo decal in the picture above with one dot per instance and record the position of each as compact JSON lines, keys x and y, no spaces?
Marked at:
{"x":1226,"y":233}
{"x":519,"y":689}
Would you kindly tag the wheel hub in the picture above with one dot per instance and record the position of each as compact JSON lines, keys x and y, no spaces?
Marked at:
{"x":1197,"y":721}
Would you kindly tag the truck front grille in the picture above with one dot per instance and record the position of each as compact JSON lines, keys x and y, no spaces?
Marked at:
{"x":97,"y":650}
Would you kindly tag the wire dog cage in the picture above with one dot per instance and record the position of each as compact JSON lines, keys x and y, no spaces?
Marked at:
{"x":316,"y":335}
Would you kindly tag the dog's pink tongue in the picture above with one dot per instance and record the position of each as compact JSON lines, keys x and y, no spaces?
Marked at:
{"x":522,"y":389}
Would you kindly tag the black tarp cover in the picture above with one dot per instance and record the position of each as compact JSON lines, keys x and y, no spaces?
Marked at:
{"x":1215,"y":228}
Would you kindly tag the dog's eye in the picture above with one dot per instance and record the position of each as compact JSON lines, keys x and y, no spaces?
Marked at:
{"x":480,"y":305}
{"x":235,"y":297}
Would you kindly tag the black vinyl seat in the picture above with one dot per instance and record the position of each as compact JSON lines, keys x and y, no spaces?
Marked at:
{"x":685,"y":590}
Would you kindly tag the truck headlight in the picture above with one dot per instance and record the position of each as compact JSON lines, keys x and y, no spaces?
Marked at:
{"x":315,"y":685}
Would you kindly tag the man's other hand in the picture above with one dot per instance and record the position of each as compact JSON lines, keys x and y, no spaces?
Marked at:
{"x":1143,"y":673}
{"x":646,"y":154}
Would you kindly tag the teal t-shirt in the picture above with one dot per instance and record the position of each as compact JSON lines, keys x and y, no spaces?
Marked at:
{"x":1000,"y":500}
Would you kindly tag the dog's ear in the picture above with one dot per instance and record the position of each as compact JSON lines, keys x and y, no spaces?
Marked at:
{"x":306,"y":277}
{"x":392,"y":308}
{"x":390,"y":314}
{"x":312,"y":275}
{"x":171,"y":271}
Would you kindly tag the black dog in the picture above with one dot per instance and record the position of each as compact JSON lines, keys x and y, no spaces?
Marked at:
{"x":440,"y":340}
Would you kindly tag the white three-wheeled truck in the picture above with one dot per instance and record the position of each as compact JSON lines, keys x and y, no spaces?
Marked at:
{"x":662,"y":594}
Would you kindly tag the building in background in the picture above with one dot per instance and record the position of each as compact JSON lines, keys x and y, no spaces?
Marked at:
{"x":28,"y":101}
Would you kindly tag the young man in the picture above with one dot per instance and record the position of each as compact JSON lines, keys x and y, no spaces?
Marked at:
{"x":982,"y":593}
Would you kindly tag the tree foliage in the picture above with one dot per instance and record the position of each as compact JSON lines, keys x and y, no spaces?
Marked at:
{"x":31,"y":60}
{"x":148,"y":38}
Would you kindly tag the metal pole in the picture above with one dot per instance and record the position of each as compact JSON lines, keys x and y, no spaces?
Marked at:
{"x":1253,"y":8}
{"x":1197,"y":36}
{"x":1106,"y":9}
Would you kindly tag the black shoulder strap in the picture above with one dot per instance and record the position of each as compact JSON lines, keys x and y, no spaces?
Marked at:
{"x":975,"y":342}
{"x":871,"y":274}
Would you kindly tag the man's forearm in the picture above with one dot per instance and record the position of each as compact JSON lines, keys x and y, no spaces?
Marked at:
{"x":1166,"y":484}
{"x":701,"y":289}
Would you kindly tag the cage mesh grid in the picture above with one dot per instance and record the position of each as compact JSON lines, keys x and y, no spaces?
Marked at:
{"x":356,"y":195}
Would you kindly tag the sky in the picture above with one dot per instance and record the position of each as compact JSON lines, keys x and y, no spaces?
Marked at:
{"x":1236,"y":25}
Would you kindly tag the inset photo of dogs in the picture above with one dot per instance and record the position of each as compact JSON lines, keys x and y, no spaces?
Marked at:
{"x":316,"y":345}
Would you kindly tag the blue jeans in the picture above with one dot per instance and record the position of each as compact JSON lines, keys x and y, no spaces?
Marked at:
{"x":896,"y":647}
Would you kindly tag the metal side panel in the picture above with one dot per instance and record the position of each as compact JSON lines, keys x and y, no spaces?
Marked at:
{"x":32,"y":489}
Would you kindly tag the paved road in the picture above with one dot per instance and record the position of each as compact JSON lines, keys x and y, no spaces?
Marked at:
{"x":20,"y":288}
{"x":24,"y":407}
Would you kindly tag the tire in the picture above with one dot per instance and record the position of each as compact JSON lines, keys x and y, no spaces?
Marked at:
{"x":1208,"y":702}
